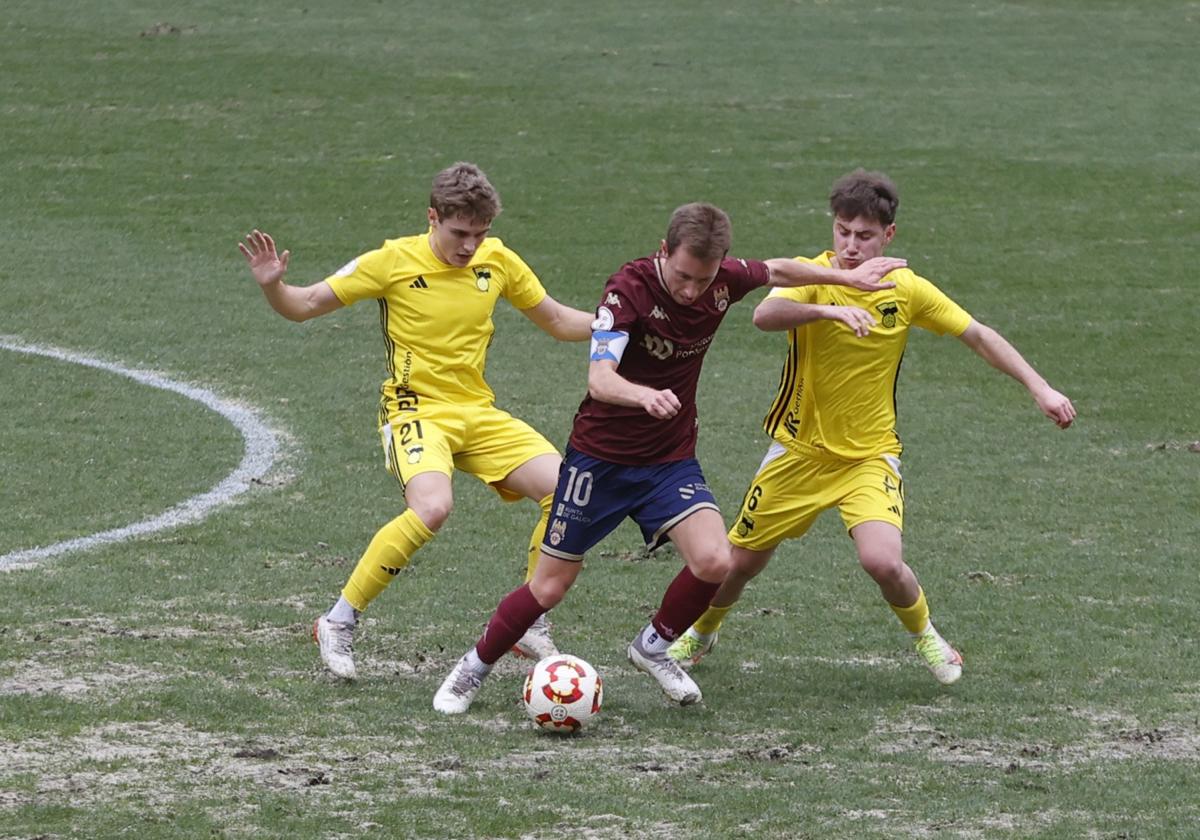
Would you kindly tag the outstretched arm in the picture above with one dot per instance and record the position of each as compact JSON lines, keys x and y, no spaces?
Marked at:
{"x":296,"y":303}
{"x":997,"y":352}
{"x":606,"y":385}
{"x":779,"y":314}
{"x":560,"y":321}
{"x":867,"y":277}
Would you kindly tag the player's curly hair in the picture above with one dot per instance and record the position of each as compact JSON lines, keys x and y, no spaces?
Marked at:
{"x":871,"y":195}
{"x":463,"y":190}
{"x":703,"y":229}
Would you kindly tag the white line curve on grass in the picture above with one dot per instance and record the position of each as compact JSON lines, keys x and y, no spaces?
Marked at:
{"x":259,"y":456}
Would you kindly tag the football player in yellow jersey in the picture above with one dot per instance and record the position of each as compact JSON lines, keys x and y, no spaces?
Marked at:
{"x":436,"y":293}
{"x":833,"y":420}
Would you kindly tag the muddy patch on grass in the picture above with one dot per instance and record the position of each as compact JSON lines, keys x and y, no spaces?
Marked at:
{"x":161,"y":763}
{"x":1113,"y":736}
{"x":33,"y":677}
{"x":613,"y":827}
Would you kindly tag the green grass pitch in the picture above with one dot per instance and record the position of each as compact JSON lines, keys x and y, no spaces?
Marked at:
{"x":165,"y":686}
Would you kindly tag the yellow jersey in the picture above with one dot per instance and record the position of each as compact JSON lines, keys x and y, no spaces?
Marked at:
{"x":436,"y":318}
{"x":837,"y":392}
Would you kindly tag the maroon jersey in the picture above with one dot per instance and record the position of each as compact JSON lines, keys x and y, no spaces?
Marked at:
{"x":667,"y":343}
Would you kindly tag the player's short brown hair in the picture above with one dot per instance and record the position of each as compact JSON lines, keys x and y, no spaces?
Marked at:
{"x":463,"y":190}
{"x":871,"y":195}
{"x":703,"y":229}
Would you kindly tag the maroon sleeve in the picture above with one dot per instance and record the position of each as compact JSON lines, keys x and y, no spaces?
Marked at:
{"x":745,"y":276}
{"x":618,"y":307}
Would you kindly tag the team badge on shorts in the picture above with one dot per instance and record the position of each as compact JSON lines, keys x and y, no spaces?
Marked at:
{"x":744,"y":526}
{"x":557,"y":531}
{"x":414,"y":453}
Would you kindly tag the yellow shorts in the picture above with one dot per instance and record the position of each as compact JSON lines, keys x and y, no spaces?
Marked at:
{"x":790,"y":491}
{"x":440,"y":437}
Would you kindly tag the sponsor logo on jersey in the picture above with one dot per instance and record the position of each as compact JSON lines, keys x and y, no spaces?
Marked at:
{"x":721,"y":296}
{"x":697,"y":348}
{"x":347,"y":269}
{"x":792,"y":425}
{"x":659,"y":348}
{"x":407,"y":400}
{"x":604,"y":319}
{"x":888,"y":310}
{"x":558,"y":530}
{"x":657,"y":312}
{"x":419,"y":283}
{"x":483,"y":278}
{"x":612,"y":300}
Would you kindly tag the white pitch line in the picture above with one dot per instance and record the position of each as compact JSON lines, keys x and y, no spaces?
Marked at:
{"x":261,"y":452}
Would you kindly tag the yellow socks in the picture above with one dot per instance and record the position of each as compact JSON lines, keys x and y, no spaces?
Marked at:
{"x":390,"y":550}
{"x":535,"y":539}
{"x":710,"y":622}
{"x":915,"y":618}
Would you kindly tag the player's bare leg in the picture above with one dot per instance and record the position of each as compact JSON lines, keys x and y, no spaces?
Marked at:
{"x":430,"y":500}
{"x":701,"y":541}
{"x":880,"y":552}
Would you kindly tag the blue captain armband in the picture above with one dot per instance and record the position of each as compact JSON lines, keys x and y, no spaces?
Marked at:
{"x":608,"y":345}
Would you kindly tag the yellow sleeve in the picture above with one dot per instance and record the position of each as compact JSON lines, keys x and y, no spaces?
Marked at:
{"x":934,"y":311}
{"x":522,"y":287}
{"x":363,"y":277}
{"x":799,"y":294}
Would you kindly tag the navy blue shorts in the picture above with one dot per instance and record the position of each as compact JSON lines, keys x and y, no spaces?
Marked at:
{"x":593,"y":497}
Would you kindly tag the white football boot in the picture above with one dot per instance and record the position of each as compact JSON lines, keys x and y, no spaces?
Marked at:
{"x":335,"y":638}
{"x":536,"y":644}
{"x":459,"y":688}
{"x":666,"y":671}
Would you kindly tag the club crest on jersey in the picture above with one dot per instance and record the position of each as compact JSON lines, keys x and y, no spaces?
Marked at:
{"x":721,"y":296}
{"x":558,"y":530}
{"x":483,"y":278}
{"x":604,"y":319}
{"x":612,"y":300}
{"x":888,"y":310}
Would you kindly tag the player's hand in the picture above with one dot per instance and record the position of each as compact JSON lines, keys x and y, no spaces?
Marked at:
{"x":661,"y":405}
{"x":1056,"y":406}
{"x":859,"y":320}
{"x":266,"y":266}
{"x":869,"y":275}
